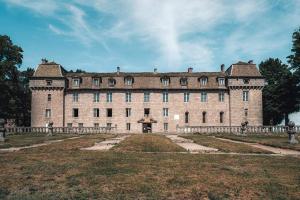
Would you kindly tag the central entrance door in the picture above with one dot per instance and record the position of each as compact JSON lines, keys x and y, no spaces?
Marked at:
{"x":147,"y":127}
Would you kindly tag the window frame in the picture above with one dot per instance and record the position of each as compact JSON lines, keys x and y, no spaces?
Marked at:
{"x":73,"y":112}
{"x":245,"y":95}
{"x":96,"y":112}
{"x":203,"y":97}
{"x":186,"y":97}
{"x":165,"y":97}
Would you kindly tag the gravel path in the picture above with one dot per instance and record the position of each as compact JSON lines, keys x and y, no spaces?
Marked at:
{"x":106,"y":144}
{"x":265,"y":147}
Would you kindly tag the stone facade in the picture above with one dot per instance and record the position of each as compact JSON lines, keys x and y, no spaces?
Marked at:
{"x":232,"y":96}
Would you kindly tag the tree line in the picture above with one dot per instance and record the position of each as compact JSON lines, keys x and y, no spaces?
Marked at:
{"x":281,"y":95}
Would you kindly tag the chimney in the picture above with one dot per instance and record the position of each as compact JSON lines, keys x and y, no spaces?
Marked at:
{"x":44,"y":61}
{"x":118,"y":70}
{"x":250,"y":62}
{"x":155,"y":70}
{"x":190,"y":70}
{"x":222,"y":68}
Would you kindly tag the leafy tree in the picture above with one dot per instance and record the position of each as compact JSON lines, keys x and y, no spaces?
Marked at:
{"x":294,"y":59}
{"x":280,"y":95}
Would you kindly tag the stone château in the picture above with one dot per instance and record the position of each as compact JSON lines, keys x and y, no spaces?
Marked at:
{"x":146,"y":101}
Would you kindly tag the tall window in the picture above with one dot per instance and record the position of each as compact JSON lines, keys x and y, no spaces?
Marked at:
{"x":48,"y":113}
{"x":165,"y":97}
{"x":203,"y":81}
{"x":146,"y":96}
{"x":96,"y":112}
{"x":203,"y":117}
{"x":146,"y":112}
{"x":75,"y":97}
{"x":128,"y":126}
{"x":128,"y":112}
{"x":75,"y":112}
{"x":221,"y":117}
{"x":221,"y":96}
{"x":245,"y":95}
{"x":186,"y":97}
{"x":96,"y":97}
{"x":166,"y":126}
{"x":49,"y":97}
{"x":108,"y":97}
{"x":109,"y":112}
{"x":128,"y":97}
{"x":96,"y":81}
{"x":165,"y":112}
{"x":186,"y":117}
{"x":221,"y":81}
{"x":203,"y":96}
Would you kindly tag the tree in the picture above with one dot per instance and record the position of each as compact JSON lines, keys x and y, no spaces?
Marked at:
{"x":10,"y":60}
{"x":280,"y":95}
{"x":294,"y":59}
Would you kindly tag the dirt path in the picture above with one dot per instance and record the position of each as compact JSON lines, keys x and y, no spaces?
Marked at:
{"x":12,"y":149}
{"x":189,"y":145}
{"x":264,"y":147}
{"x":106,"y":144}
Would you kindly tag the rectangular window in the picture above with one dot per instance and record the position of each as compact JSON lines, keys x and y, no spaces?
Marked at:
{"x":186,"y":97}
{"x":146,"y":112}
{"x":146,"y":96}
{"x":75,"y":97}
{"x":221,"y":81}
{"x":204,"y":117}
{"x":96,"y":97}
{"x":80,"y":125}
{"x":128,"y":97}
{"x":49,"y":97}
{"x":221,"y":96}
{"x":109,"y":112}
{"x":48,"y":113}
{"x":166,"y":126}
{"x":128,"y":112}
{"x":96,"y":81}
{"x":186,"y":117}
{"x":203,"y":81}
{"x":96,"y":125}
{"x":109,"y":97}
{"x":203,"y":96}
{"x":76,"y":82}
{"x":96,"y":112}
{"x":128,"y":81}
{"x":245,"y":95}
{"x":165,"y":97}
{"x":75,"y":112}
{"x":165,"y":81}
{"x":48,"y":82}
{"x":69,"y":125}
{"x":165,"y":112}
{"x":128,"y":126}
{"x":221,"y":117}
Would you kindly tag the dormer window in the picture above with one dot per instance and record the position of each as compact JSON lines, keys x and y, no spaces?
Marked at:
{"x":96,"y":81}
{"x":48,"y":82}
{"x":183,"y":81}
{"x":128,"y":80}
{"x":165,"y":81}
{"x":76,"y":82}
{"x":246,"y":80}
{"x":111,"y":82}
{"x":221,"y":81}
{"x":203,"y":80}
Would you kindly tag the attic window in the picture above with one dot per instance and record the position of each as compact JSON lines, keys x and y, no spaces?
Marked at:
{"x":128,"y":80}
{"x":183,"y":81}
{"x":96,"y":81}
{"x":111,"y":82}
{"x":203,"y":80}
{"x":246,"y":80}
{"x":165,"y":81}
{"x":221,"y":81}
{"x":76,"y":82}
{"x":48,"y":82}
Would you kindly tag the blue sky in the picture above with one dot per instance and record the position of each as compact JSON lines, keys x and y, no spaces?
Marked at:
{"x":138,"y":35}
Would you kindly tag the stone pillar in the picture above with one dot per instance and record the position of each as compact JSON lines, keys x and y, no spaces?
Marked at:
{"x":2,"y":130}
{"x":291,"y":132}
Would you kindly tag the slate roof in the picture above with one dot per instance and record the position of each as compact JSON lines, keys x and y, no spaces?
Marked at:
{"x":49,"y":69}
{"x":243,"y":69}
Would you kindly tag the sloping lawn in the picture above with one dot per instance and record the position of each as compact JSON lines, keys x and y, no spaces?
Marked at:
{"x":62,"y":171}
{"x":271,"y":140}
{"x":148,"y":143}
{"x":27,"y":139}
{"x":224,"y":146}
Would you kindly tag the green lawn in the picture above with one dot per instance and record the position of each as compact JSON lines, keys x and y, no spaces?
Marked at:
{"x":280,"y":140}
{"x":27,"y":139}
{"x":148,"y":143}
{"x":224,"y":146}
{"x":62,"y":171}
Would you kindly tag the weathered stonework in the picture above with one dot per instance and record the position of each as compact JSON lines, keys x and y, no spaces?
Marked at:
{"x":62,"y":88}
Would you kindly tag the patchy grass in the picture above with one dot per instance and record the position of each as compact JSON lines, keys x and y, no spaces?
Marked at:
{"x":224,"y":145}
{"x":27,"y":139}
{"x":280,"y":140}
{"x":148,"y":143}
{"x":62,"y":171}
